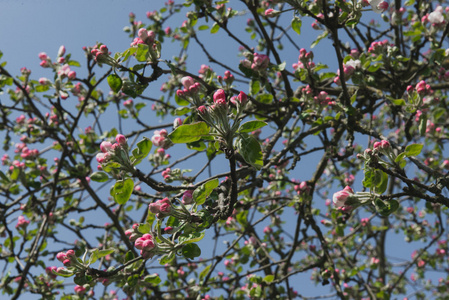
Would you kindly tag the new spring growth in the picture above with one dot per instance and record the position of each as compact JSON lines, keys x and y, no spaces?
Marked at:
{"x":148,"y":244}
{"x":191,"y":91}
{"x":217,"y":115}
{"x":147,"y":37}
{"x":374,"y":155}
{"x":117,"y":152}
{"x":102,"y":55}
{"x":163,"y":208}
{"x":347,"y":199}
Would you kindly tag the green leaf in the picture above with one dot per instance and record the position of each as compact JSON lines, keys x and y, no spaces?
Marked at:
{"x":191,"y":238}
{"x":97,"y":254}
{"x":180,"y":111}
{"x":400,"y":102}
{"x":153,"y":279}
{"x":167,"y":258}
{"x":42,"y":88}
{"x":204,"y":272}
{"x":385,"y":208}
{"x":198,"y":146}
{"x":142,"y":150}
{"x":250,"y":149}
{"x":4,"y":177}
{"x":215,"y":28}
{"x":203,"y":191}
{"x":115,"y":82}
{"x":180,"y":101}
{"x":265,"y":98}
{"x":144,"y":228}
{"x":99,"y":177}
{"x":122,"y":190}
{"x":296,"y":25}
{"x":381,"y":182}
{"x":142,"y":52}
{"x":369,"y":178}
{"x":413,"y":150}
{"x":422,"y":125}
{"x":15,"y":174}
{"x":111,"y":166}
{"x":251,"y":126}
{"x":203,"y":27}
{"x":189,"y":132}
{"x":254,"y":87}
{"x":318,"y":39}
{"x":191,"y":251}
{"x":268,"y":279}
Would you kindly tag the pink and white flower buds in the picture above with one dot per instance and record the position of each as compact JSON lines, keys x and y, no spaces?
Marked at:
{"x":187,"y":82}
{"x":120,"y":139}
{"x":22,"y":222}
{"x":61,"y":51}
{"x":342,"y":196}
{"x":271,"y":13}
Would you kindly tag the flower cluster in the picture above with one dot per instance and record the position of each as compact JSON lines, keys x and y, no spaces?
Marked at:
{"x":339,"y":198}
{"x":67,"y":258}
{"x":22,"y":222}
{"x":227,"y":80}
{"x":256,"y":62}
{"x":117,"y":152}
{"x":160,"y":139}
{"x":436,"y":18}
{"x":160,"y":157}
{"x":305,"y":60}
{"x":102,"y":55}
{"x":191,"y":91}
{"x":378,"y":6}
{"x":163,"y":208}
{"x":144,"y":37}
{"x":145,"y":244}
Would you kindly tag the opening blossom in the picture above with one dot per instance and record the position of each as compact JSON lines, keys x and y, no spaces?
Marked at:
{"x":378,"y":6}
{"x":342,"y":196}
{"x":436,"y":17}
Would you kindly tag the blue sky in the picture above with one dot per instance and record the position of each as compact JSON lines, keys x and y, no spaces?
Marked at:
{"x":30,"y":27}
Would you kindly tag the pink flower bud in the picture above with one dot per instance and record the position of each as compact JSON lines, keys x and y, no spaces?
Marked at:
{"x":187,"y":197}
{"x":148,"y":245}
{"x":219,"y":96}
{"x":154,"y":208}
{"x":61,"y":51}
{"x":142,"y":33}
{"x":104,"y":49}
{"x":61,"y":256}
{"x":100,"y":158}
{"x":105,"y":147}
{"x":271,"y":13}
{"x":340,"y":197}
{"x":202,"y":109}
{"x":71,"y":75}
{"x":43,"y":56}
{"x":187,"y":81}
{"x":121,"y":139}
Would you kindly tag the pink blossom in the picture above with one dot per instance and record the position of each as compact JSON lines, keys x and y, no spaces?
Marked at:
{"x":187,"y":81}
{"x":61,"y":51}
{"x":271,"y":13}
{"x":187,"y":197}
{"x":22,"y":222}
{"x":105,"y":146}
{"x":71,"y":75}
{"x":436,"y":17}
{"x":120,"y":139}
{"x":342,"y":196}
{"x":80,"y":290}
{"x":43,"y":56}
